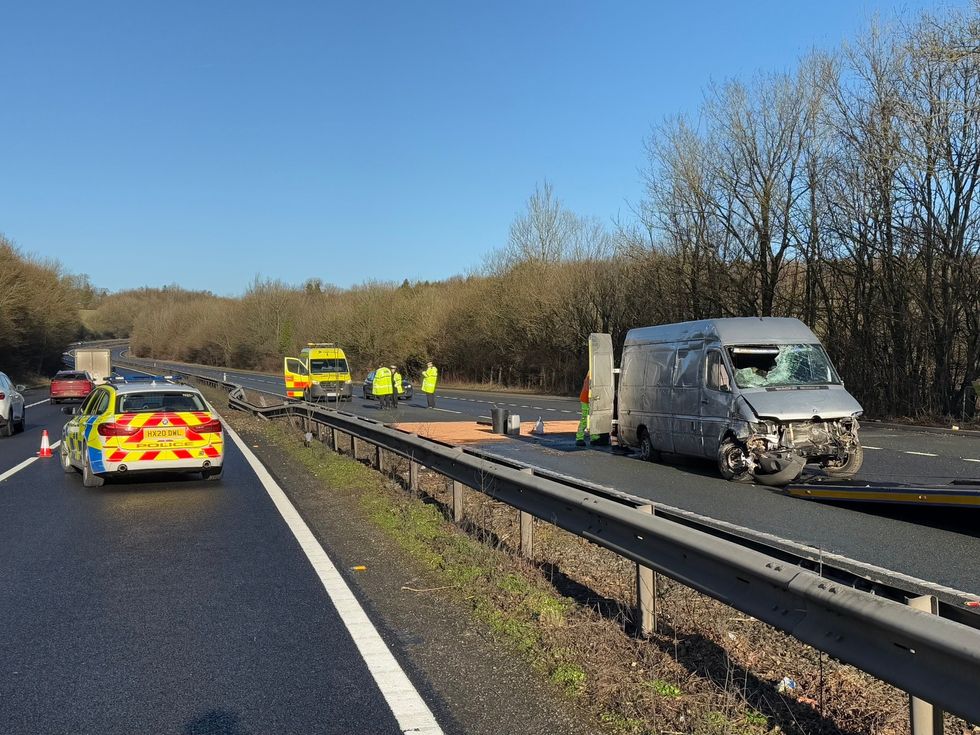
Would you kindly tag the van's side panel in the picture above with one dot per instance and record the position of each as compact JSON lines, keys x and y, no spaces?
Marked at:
{"x":716,"y":405}
{"x":685,"y":407}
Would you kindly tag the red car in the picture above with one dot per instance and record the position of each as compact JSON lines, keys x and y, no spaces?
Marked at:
{"x":71,"y":384}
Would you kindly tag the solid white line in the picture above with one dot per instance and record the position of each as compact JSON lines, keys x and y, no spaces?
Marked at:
{"x":922,"y":454}
{"x":38,"y":403}
{"x":967,"y":459}
{"x":406,"y":703}
{"x":14,"y":470}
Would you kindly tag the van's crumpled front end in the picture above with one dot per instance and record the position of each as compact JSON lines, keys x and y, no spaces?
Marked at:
{"x":777,"y":451}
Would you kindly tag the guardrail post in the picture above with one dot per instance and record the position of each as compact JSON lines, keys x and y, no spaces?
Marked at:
{"x":457,"y":501}
{"x":353,"y":448}
{"x":379,"y":459}
{"x":925,"y":718}
{"x":646,"y":594}
{"x":333,"y":440}
{"x":527,"y":527}
{"x":413,"y":476}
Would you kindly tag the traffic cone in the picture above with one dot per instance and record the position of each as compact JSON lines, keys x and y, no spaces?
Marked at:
{"x":45,"y":447}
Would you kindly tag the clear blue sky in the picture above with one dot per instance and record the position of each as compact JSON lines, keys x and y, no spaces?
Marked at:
{"x":204,"y":143}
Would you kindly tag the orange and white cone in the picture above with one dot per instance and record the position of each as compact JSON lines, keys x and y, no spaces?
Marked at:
{"x":45,"y":447}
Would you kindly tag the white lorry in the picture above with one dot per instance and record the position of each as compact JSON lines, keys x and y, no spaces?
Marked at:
{"x":97,"y":362}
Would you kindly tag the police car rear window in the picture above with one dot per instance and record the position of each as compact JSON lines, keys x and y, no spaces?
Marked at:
{"x":158,"y":401}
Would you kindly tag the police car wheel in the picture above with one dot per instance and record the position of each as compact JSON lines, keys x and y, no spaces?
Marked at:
{"x":89,"y":478}
{"x":213,"y":475}
{"x":8,"y":428}
{"x":19,"y":428}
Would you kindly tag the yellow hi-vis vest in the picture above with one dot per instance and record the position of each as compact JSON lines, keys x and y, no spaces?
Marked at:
{"x":429,"y":378}
{"x":382,"y":382}
{"x":399,"y":388}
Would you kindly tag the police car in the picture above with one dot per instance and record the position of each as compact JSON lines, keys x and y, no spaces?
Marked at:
{"x":152,"y":424}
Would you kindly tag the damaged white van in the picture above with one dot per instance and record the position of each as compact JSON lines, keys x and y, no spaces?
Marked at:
{"x":758,"y":395}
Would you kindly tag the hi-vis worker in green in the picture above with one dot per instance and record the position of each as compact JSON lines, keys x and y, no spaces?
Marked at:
{"x":382,"y":386}
{"x":430,"y":377}
{"x":396,"y":378}
{"x":583,"y":398}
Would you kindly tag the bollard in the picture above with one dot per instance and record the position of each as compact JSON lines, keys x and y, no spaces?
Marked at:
{"x":457,"y":502}
{"x":527,"y":527}
{"x":413,"y":476}
{"x":925,"y":718}
{"x":646,"y":594}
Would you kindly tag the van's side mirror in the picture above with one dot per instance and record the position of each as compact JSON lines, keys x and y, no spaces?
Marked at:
{"x":20,"y":387}
{"x":69,"y":410}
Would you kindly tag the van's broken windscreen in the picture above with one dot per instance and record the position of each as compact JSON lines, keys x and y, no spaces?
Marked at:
{"x":772,"y":366}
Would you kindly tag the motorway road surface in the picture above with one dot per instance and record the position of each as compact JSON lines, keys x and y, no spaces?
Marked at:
{"x":176,"y":606}
{"x":940,"y":545}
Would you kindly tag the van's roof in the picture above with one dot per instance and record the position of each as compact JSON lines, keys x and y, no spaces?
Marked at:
{"x":328,"y":352}
{"x":739,"y":330}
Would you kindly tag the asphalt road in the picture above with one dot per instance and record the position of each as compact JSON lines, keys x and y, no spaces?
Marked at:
{"x":940,"y":545}
{"x":165,"y":606}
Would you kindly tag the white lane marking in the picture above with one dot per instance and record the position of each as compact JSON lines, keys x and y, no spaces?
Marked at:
{"x":565,"y":410}
{"x":37,"y":403}
{"x":866,"y":446}
{"x":406,"y":703}
{"x":14,"y":470}
{"x":921,"y":454}
{"x":538,"y":408}
{"x":444,"y":409}
{"x":525,"y":406}
{"x":967,"y":459}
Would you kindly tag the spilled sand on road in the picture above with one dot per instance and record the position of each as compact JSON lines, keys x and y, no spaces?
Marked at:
{"x":470,"y":432}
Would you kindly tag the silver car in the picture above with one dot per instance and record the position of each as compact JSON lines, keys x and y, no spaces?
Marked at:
{"x":13,"y":413}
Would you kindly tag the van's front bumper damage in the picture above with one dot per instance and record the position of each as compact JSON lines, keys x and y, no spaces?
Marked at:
{"x":777,"y":452}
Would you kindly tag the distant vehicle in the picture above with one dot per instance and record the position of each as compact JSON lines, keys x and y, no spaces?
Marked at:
{"x":70,"y":384}
{"x":367,"y":392}
{"x":758,"y":395}
{"x":13,"y":412}
{"x":319,"y":373}
{"x":134,"y":425}
{"x":97,"y":362}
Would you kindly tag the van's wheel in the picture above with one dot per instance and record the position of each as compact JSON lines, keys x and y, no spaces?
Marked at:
{"x":89,"y":478}
{"x":732,"y":461}
{"x":647,"y":452}
{"x":66,"y":464}
{"x":8,"y":428}
{"x":848,"y":467}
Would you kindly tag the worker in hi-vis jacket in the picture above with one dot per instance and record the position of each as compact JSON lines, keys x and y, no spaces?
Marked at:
{"x":430,"y":377}
{"x":583,"y":424}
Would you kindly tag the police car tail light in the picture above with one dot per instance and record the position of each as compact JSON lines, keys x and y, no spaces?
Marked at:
{"x":211,"y":427}
{"x":114,"y":429}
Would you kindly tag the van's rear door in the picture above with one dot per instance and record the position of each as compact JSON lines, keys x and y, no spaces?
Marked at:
{"x":603,"y":388}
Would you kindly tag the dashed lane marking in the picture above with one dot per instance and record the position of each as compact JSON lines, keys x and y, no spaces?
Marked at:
{"x":444,"y":409}
{"x":920,"y":454}
{"x":407,"y":705}
{"x":866,"y":446}
{"x":36,"y":403}
{"x":27,"y":462}
{"x":967,"y":459}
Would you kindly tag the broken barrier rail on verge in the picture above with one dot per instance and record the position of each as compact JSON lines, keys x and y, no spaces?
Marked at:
{"x":856,"y":618}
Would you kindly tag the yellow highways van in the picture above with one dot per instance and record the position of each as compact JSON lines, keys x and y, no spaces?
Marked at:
{"x":319,"y":373}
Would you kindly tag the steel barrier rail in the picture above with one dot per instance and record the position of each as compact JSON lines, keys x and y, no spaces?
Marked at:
{"x":929,"y":656}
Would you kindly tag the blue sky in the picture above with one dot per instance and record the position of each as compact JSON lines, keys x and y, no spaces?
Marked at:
{"x":205,"y":143}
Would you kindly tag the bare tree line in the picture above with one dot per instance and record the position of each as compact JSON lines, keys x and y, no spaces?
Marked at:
{"x":39,"y":312}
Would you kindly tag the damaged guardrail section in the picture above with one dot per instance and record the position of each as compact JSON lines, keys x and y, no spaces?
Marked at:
{"x":930,"y":657}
